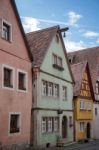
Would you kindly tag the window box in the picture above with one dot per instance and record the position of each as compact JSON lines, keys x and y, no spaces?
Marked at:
{"x":58,"y":67}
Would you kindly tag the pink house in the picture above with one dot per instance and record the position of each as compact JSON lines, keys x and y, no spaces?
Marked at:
{"x":15,"y":79}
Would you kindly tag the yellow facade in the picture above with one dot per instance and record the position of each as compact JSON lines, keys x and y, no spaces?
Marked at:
{"x":83,"y":110}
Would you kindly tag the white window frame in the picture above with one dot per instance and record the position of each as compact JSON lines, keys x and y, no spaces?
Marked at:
{"x":26,"y":80}
{"x":56,"y":123}
{"x":12,"y":77}
{"x":44,"y":88}
{"x":81,"y":126}
{"x":56,"y":90}
{"x":89,"y":106}
{"x":10,"y":26}
{"x":82,"y":105}
{"x":50,"y":89}
{"x":64,"y":93}
{"x":14,"y":113}
{"x":44,"y":124}
{"x":50,"y":124}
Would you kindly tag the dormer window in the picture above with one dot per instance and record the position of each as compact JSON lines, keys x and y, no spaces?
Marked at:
{"x":6,"y":31}
{"x":57,"y":62}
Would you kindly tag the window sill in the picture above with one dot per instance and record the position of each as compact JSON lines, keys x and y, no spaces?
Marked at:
{"x":23,"y":91}
{"x":7,"y":40}
{"x":8,"y":88}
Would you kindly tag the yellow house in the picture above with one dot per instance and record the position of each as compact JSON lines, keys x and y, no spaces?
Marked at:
{"x":83,"y":101}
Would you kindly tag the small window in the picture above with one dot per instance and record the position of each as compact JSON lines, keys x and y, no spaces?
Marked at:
{"x":82,"y":105}
{"x":50,"y":89}
{"x":89,"y":106}
{"x":22,"y":81}
{"x":64,"y":92}
{"x":96,"y":111}
{"x":50,"y":127}
{"x":56,"y":90}
{"x":14,"y":123}
{"x":97,"y":87}
{"x":56,"y":124}
{"x":44,"y":88}
{"x":60,"y":61}
{"x":8,"y":77}
{"x":54,"y":59}
{"x":44,"y":121}
{"x":6,"y":31}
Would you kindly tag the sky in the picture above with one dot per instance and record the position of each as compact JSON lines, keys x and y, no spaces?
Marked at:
{"x":81,"y":16}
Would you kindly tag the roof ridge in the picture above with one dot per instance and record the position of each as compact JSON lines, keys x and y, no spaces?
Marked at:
{"x":45,"y":29}
{"x":83,"y":49}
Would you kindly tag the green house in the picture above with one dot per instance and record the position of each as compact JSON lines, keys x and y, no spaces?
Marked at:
{"x":52,"y":111}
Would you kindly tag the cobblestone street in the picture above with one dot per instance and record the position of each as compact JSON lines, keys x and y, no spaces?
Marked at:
{"x":93,"y":145}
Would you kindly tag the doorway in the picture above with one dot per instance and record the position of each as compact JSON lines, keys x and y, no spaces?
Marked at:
{"x":64,"y":127}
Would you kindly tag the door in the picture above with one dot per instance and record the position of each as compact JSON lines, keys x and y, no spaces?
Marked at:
{"x":88,"y":130}
{"x":64,"y":127}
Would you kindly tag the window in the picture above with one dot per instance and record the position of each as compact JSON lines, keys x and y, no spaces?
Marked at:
{"x":50,"y":124}
{"x":82,"y":105}
{"x":54,"y":59}
{"x":22,"y":80}
{"x":89,"y":106}
{"x":44,"y":125}
{"x":44,"y":88}
{"x":50,"y":89}
{"x":14,"y":123}
{"x":97,"y":87}
{"x":56,"y":124}
{"x":57,"y":62}
{"x":64,"y":92}
{"x":82,"y":126}
{"x":6,"y":31}
{"x":8,"y":77}
{"x":56,"y":90}
{"x":70,"y":121}
{"x":96,"y":111}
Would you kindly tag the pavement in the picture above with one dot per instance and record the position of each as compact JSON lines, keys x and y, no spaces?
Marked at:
{"x":92,"y":145}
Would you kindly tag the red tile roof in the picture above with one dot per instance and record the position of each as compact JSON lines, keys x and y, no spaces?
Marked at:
{"x":39,"y":42}
{"x":92,"y":56}
{"x":78,"y":71}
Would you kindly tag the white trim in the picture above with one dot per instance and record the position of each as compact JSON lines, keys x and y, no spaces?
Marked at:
{"x":14,"y":113}
{"x":26,"y":80}
{"x":13,"y":77}
{"x":6,"y":22}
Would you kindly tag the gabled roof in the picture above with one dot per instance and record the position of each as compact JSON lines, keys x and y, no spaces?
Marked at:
{"x":21,"y":28}
{"x":91,"y":55}
{"x":78,"y":72}
{"x":40,"y":40}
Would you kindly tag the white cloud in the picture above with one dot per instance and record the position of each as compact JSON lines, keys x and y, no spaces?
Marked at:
{"x":91,"y":34}
{"x":30,"y":24}
{"x":73,"y":18}
{"x":73,"y":46}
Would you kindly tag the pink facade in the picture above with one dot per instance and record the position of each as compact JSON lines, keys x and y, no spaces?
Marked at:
{"x":14,"y":54}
